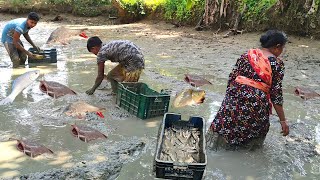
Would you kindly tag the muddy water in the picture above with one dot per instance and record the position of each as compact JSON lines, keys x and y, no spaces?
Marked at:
{"x":169,"y":54}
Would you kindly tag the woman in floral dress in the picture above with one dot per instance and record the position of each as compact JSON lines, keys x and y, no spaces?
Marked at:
{"x":254,"y":86}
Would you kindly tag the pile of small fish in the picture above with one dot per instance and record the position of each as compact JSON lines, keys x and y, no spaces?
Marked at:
{"x":181,"y":145}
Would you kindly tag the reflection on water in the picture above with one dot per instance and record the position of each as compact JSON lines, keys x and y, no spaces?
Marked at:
{"x":32,"y":111}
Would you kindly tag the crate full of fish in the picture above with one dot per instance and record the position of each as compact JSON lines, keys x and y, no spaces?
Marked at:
{"x":181,"y":149}
{"x":44,"y":56}
{"x":138,"y":99}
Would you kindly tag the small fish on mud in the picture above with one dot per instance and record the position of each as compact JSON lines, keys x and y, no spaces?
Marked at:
{"x":189,"y":97}
{"x":55,"y":89}
{"x":306,"y":93}
{"x":63,"y":35}
{"x":195,"y":80}
{"x":30,"y":148}
{"x":85,"y":133}
{"x":80,"y":109}
{"x":20,"y":84}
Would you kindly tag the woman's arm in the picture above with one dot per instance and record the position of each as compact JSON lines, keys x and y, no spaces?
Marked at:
{"x":283,"y":122}
{"x":277,"y":67}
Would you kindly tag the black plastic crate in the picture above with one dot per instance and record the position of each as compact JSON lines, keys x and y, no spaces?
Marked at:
{"x":50,"y":56}
{"x":138,"y":99}
{"x":176,"y":170}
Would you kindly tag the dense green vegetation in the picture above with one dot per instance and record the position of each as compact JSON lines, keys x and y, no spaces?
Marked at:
{"x":296,"y":16}
{"x":78,"y":7}
{"x":256,"y":9}
{"x":181,"y":10}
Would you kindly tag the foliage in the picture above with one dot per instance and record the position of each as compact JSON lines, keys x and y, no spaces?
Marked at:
{"x":135,"y":7}
{"x":88,"y":7}
{"x":256,"y":9}
{"x":82,"y":7}
{"x":17,"y":4}
{"x":154,"y":4}
{"x":181,"y":10}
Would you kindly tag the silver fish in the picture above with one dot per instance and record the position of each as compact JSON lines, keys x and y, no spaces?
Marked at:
{"x":20,"y":84}
{"x":181,"y":145}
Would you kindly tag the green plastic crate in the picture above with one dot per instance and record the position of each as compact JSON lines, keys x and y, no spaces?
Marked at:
{"x":138,"y":99}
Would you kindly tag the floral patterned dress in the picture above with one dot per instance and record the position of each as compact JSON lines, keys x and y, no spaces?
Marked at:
{"x":244,"y":112}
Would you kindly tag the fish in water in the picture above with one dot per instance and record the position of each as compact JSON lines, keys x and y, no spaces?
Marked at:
{"x":62,"y":35}
{"x":189,"y":97}
{"x":20,"y":84}
{"x":30,"y":148}
{"x":306,"y":93}
{"x":85,"y":133}
{"x":196,"y":81}
{"x":80,"y":109}
{"x":55,"y":89}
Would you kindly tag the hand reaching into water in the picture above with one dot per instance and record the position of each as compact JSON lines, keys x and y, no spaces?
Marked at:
{"x":90,"y":91}
{"x":285,"y":128}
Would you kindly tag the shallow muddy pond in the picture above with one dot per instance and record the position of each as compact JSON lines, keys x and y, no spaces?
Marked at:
{"x":169,"y":54}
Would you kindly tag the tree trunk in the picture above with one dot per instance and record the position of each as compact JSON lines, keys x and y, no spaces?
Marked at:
{"x":219,"y":14}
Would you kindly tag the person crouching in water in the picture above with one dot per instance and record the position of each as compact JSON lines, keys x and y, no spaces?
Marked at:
{"x":126,"y":53}
{"x":254,"y":85}
{"x":11,"y":38}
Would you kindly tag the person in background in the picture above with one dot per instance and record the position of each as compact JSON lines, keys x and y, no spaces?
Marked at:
{"x":126,"y":53}
{"x":11,"y":38}
{"x":254,"y":86}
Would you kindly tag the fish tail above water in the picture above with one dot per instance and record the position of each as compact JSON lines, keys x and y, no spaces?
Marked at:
{"x":7,"y":100}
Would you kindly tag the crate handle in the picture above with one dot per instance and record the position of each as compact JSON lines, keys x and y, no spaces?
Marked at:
{"x":181,"y":166}
{"x":165,"y":91}
{"x":157,"y":100}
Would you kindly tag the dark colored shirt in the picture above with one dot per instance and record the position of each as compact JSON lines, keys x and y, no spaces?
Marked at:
{"x":123,"y":51}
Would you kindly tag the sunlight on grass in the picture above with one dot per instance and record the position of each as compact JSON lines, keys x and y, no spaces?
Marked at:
{"x":154,"y":3}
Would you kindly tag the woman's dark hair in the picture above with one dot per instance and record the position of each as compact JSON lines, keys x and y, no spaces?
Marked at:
{"x":272,"y":38}
{"x":33,"y":16}
{"x":93,"y":41}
